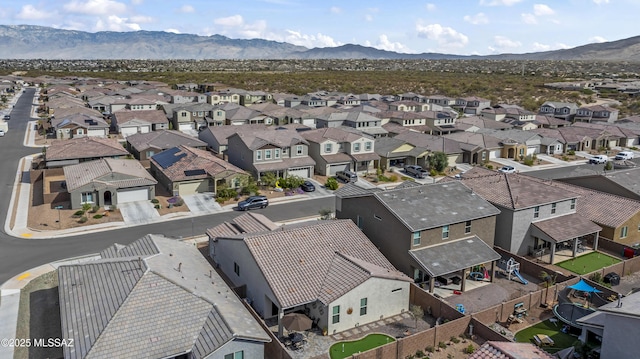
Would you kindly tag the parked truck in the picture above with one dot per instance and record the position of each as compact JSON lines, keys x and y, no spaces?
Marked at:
{"x":416,"y":171}
{"x":4,"y":126}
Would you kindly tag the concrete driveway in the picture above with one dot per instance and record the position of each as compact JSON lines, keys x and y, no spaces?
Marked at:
{"x":139,"y":212}
{"x":201,"y":203}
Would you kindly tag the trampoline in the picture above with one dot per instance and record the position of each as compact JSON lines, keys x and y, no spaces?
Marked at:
{"x":569,"y":313}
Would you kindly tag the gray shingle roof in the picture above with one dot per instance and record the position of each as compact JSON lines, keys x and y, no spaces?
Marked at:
{"x":434,"y":205}
{"x":245,"y":223}
{"x":155,"y":298}
{"x":455,"y":255}
{"x":564,"y":228}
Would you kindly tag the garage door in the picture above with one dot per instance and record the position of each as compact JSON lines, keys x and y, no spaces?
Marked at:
{"x":300,"y":172}
{"x":494,"y":154}
{"x":186,"y":188}
{"x":93,"y":133}
{"x":335,"y":168}
{"x":140,"y":194}
{"x":531,"y":151}
{"x":128,"y":131}
{"x":185,"y":126}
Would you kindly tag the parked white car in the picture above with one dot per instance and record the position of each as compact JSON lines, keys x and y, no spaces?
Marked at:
{"x":507,"y":169}
{"x":1,"y":133}
{"x":598,"y":159}
{"x":624,"y":155}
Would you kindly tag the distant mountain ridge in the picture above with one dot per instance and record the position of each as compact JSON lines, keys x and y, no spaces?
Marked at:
{"x":40,"y":42}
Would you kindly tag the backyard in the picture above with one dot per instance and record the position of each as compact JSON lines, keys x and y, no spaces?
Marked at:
{"x":551,"y":329}
{"x":345,"y":349}
{"x":588,"y":263}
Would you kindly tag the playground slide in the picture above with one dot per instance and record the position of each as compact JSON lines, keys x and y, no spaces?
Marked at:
{"x":517,"y":274}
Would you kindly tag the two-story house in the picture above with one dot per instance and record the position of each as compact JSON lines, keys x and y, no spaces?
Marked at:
{"x":226,"y":96}
{"x":79,"y":125}
{"x":596,"y":113}
{"x":359,"y":120}
{"x":190,"y":116}
{"x":535,"y":218}
{"x":472,"y":105}
{"x":283,"y":151}
{"x":426,"y":231}
{"x":409,"y":106}
{"x":129,"y":122}
{"x":562,"y":110}
{"x":248,"y":98}
{"x":340,"y":148}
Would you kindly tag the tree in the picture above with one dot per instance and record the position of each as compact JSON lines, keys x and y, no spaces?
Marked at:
{"x":416,"y":312}
{"x":331,"y":184}
{"x":548,"y":280}
{"x":438,"y":161}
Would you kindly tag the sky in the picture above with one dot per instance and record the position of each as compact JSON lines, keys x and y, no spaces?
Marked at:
{"x":463,"y":27}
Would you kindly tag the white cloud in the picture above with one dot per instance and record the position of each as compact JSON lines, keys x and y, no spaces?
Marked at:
{"x":529,"y":19}
{"x":542,"y":10}
{"x":115,"y":23}
{"x":174,"y":31}
{"x":255,"y":30}
{"x":597,"y":39}
{"x":140,"y":19}
{"x":477,"y":19}
{"x":544,"y":47}
{"x":319,"y":40}
{"x":384,"y":44}
{"x":431,"y":7}
{"x":446,"y":37}
{"x":499,"y":2}
{"x":137,"y":2}
{"x":96,"y":7}
{"x":29,"y":12}
{"x":503,"y":43}
{"x":231,"y":21}
{"x":335,"y":10}
{"x":600,"y":2}
{"x":368,"y":17}
{"x":186,"y":9}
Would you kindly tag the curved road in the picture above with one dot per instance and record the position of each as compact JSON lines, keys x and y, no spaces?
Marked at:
{"x":18,"y":255}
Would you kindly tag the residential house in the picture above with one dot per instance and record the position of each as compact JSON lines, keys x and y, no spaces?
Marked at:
{"x":625,"y":183}
{"x":190,"y":116}
{"x":248,"y":98}
{"x":135,"y":104}
{"x":82,"y":149}
{"x":474,"y":123}
{"x":359,"y":120}
{"x":426,"y":231}
{"x":224,"y":96}
{"x":441,"y":100}
{"x":550,"y":122}
{"x":144,"y":145}
{"x":326,"y":269}
{"x":478,"y":148}
{"x":596,"y":113}
{"x":281,"y":115}
{"x":434,"y":144}
{"x":79,"y":126}
{"x":516,"y":144}
{"x":471,"y":105}
{"x":108,"y":182}
{"x":562,"y":110}
{"x":282,"y":151}
{"x":216,"y":136}
{"x":409,"y":106}
{"x":534,"y":218}
{"x":613,"y":325}
{"x":397,"y":152}
{"x":185,"y":170}
{"x":411,"y":120}
{"x":155,"y":298}
{"x":185,"y":97}
{"x":350,"y":100}
{"x":500,"y":112}
{"x":440,"y":122}
{"x":340,"y":148}
{"x":129,"y":122}
{"x":239,"y":115}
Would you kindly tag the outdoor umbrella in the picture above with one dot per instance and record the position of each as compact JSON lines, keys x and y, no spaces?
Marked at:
{"x":296,"y":321}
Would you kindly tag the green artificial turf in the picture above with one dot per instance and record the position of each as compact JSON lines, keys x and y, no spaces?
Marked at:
{"x":369,"y":342}
{"x":588,"y":263}
{"x":560,"y":339}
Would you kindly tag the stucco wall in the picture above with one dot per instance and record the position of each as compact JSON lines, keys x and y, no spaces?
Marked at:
{"x":251,"y":349}
{"x":619,"y":335}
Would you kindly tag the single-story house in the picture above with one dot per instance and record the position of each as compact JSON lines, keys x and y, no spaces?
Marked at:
{"x":82,"y":149}
{"x":145,"y":145}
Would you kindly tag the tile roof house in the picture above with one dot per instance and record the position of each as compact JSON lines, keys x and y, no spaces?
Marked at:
{"x":340,"y":148}
{"x":563,"y":110}
{"x":432,"y":143}
{"x":516,"y":143}
{"x":107,"y":182}
{"x":510,"y":350}
{"x":472,"y":105}
{"x":82,"y":149}
{"x":79,"y":125}
{"x":426,"y":231}
{"x":185,"y":170}
{"x":596,"y":113}
{"x":154,"y":298}
{"x":478,"y":148}
{"x":128,"y":122}
{"x":397,"y":152}
{"x":216,"y":136}
{"x":535,"y":218}
{"x":329,"y":269}
{"x":145,"y":145}
{"x":282,"y":151}
{"x":359,"y":120}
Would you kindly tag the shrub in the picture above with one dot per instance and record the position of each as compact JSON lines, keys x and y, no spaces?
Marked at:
{"x":455,"y":340}
{"x":97,"y":216}
{"x":571,"y":153}
{"x":528,"y":161}
{"x":83,"y":219}
{"x":489,"y":166}
{"x":78,"y":213}
{"x":157,"y":206}
{"x":331,"y":184}
{"x":608,"y":166}
{"x":226,"y":193}
{"x":393,"y":178}
{"x":155,"y":200}
{"x":429,"y":349}
{"x":433,"y":172}
{"x":95,"y":209}
{"x":442,"y":345}
{"x":179,"y":202}
{"x":469,"y":349}
{"x":291,"y":182}
{"x":86,"y":207}
{"x":419,"y":354}
{"x":565,"y":158}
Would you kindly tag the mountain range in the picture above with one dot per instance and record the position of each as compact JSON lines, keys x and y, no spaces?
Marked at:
{"x":39,"y":42}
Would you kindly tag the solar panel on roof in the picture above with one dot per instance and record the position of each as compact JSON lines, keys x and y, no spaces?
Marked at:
{"x":168,"y":157}
{"x":194,"y":172}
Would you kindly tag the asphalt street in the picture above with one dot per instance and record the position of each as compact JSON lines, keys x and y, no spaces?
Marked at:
{"x":20,"y":254}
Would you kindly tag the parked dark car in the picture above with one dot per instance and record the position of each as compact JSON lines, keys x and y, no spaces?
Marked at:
{"x":347,"y":176}
{"x":7,"y":117}
{"x":253,"y":202}
{"x":307,"y":186}
{"x":416,"y":171}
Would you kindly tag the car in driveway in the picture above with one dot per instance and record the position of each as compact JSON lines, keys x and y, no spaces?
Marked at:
{"x":507,"y":169}
{"x":1,"y":133}
{"x":598,"y":159}
{"x":624,"y":155}
{"x":307,"y":186}
{"x":253,"y":202}
{"x":416,"y":171}
{"x":347,"y":176}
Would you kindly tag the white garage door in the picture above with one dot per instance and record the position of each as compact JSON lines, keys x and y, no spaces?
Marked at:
{"x":300,"y":172}
{"x":126,"y":196}
{"x":193,"y":187}
{"x":96,"y":133}
{"x":128,"y":131}
{"x":185,"y":126}
{"x":531,"y":151}
{"x":494,"y":154}
{"x":335,"y":168}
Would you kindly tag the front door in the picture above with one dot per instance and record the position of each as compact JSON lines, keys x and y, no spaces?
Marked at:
{"x":107,"y":198}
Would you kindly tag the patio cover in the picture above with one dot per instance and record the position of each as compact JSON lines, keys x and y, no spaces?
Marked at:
{"x":584,"y":287}
{"x":453,"y":256}
{"x":564,"y":228}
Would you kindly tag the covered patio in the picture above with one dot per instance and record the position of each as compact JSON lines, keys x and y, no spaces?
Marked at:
{"x":560,"y":238}
{"x":450,"y":261}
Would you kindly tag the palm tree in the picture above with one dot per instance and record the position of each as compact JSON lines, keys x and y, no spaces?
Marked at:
{"x":549,"y":281}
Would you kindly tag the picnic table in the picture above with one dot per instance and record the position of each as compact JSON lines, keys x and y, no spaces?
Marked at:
{"x":543,"y":339}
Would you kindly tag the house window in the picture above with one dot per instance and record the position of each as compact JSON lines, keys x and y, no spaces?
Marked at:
{"x":335,"y":318}
{"x":363,"y":306}
{"x":299,"y":150}
{"x":536,"y":212}
{"x":259,"y":155}
{"x":484,"y":156}
{"x":277,"y":153}
{"x":573,"y":203}
{"x":87,"y":197}
{"x":416,"y":238}
{"x":267,"y":154}
{"x":236,"y":355}
{"x":356,"y":147}
{"x":367,"y":146}
{"x":553,"y":208}
{"x":624,"y":231}
{"x":445,"y":231}
{"x":467,"y":227}
{"x":236,"y":269}
{"x":80,"y":131}
{"x":327,"y":148}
